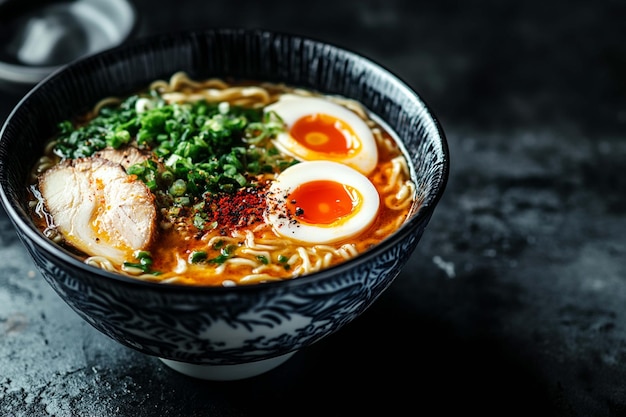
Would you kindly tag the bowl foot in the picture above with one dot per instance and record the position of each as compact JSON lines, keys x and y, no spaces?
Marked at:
{"x":227,"y":372}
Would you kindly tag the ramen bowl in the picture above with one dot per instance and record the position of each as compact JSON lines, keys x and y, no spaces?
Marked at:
{"x":218,"y":332}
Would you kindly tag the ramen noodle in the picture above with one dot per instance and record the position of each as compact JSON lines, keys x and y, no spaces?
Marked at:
{"x":221,"y":183}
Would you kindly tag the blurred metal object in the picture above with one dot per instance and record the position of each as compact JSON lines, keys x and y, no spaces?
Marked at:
{"x":37,"y":37}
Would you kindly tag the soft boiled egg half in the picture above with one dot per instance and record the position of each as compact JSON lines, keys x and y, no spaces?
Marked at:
{"x":319,"y":129}
{"x":321,"y":202}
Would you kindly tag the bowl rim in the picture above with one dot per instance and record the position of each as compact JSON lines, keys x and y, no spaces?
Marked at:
{"x":423,"y":214}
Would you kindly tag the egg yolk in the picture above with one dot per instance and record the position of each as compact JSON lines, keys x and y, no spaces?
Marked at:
{"x":323,"y":133}
{"x":321,"y":202}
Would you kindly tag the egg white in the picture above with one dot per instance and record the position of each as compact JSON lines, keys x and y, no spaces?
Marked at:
{"x":363,"y":154}
{"x":285,"y":225}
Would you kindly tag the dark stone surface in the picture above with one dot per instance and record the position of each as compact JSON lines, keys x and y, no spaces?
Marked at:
{"x":514,"y":301}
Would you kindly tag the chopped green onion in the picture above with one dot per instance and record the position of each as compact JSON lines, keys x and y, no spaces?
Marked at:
{"x":201,"y":147}
{"x":178,"y":188}
{"x":197,"y":256}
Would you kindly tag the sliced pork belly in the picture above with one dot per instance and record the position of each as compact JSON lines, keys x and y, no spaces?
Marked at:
{"x":126,"y":156}
{"x":99,"y":209}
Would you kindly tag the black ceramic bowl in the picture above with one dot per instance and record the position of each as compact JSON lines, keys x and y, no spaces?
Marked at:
{"x":217,"y":332}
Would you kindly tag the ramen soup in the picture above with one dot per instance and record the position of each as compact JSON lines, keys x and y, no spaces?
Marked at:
{"x":222,"y":184}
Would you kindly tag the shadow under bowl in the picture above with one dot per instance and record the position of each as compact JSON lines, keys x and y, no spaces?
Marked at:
{"x":222,"y":333}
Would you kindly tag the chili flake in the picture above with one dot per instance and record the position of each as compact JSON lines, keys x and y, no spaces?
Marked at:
{"x":245,"y":207}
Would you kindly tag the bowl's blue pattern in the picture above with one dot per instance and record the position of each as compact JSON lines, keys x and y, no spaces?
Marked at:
{"x":234,"y":329}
